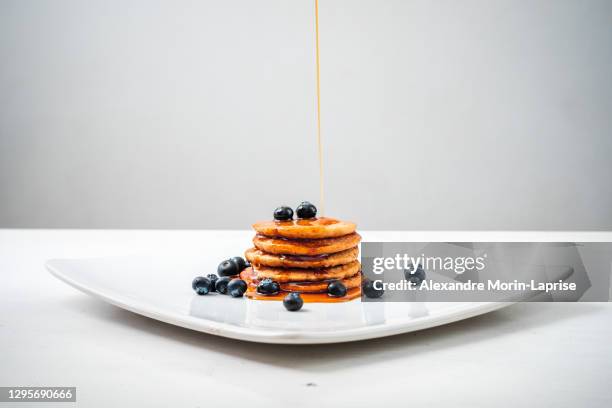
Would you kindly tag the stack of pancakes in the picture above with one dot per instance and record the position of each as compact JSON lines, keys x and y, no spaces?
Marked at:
{"x":304,"y":255}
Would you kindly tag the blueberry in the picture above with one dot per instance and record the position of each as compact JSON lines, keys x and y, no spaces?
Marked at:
{"x":195,"y":281}
{"x":336,"y":289}
{"x":213,"y":280}
{"x":238,"y":260}
{"x":283,"y":214}
{"x":236,"y":288}
{"x":268,"y":287}
{"x":293,"y":302}
{"x":201,"y":285}
{"x":228,"y":268}
{"x":414,"y":276}
{"x":221,"y":284}
{"x":410,"y":268}
{"x":306,"y":210}
{"x":370,"y":291}
{"x":415,"y":280}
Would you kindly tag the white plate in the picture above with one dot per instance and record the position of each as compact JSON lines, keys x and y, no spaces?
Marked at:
{"x":160,"y":288}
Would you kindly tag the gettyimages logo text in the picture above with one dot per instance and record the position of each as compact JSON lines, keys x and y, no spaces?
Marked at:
{"x":458,"y":264}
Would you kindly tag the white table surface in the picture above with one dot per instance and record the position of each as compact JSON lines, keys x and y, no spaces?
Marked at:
{"x":536,"y":354}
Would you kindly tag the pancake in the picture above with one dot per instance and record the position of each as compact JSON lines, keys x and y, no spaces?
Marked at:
{"x":258,"y":257}
{"x":306,"y":246}
{"x":354,"y":281}
{"x":317,"y":287}
{"x":306,"y":275}
{"x":315,"y":228}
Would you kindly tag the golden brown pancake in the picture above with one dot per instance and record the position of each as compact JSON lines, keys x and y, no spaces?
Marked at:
{"x":306,"y":246}
{"x":258,"y":257}
{"x":354,"y":281}
{"x":315,"y":287}
{"x":306,"y":275}
{"x":315,"y":228}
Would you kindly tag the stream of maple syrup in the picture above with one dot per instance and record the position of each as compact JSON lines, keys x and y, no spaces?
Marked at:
{"x":319,"y":145}
{"x":323,"y":297}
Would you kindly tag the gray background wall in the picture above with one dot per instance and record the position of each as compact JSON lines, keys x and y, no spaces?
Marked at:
{"x":200,"y":114}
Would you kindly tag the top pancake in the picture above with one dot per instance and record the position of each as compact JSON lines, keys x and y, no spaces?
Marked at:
{"x":314,"y":228}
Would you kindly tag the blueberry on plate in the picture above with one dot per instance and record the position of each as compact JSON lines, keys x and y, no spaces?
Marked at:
{"x":268,"y":287}
{"x":336,"y":289}
{"x":293,"y":302}
{"x":283,"y":213}
{"x":369,"y":289}
{"x":236,"y":288}
{"x":238,"y":260}
{"x":195,"y":281}
{"x":228,"y":268}
{"x":306,"y":210}
{"x":213,"y":280}
{"x":414,"y":276}
{"x":410,"y":268}
{"x":221,"y":284}
{"x":201,"y":285}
